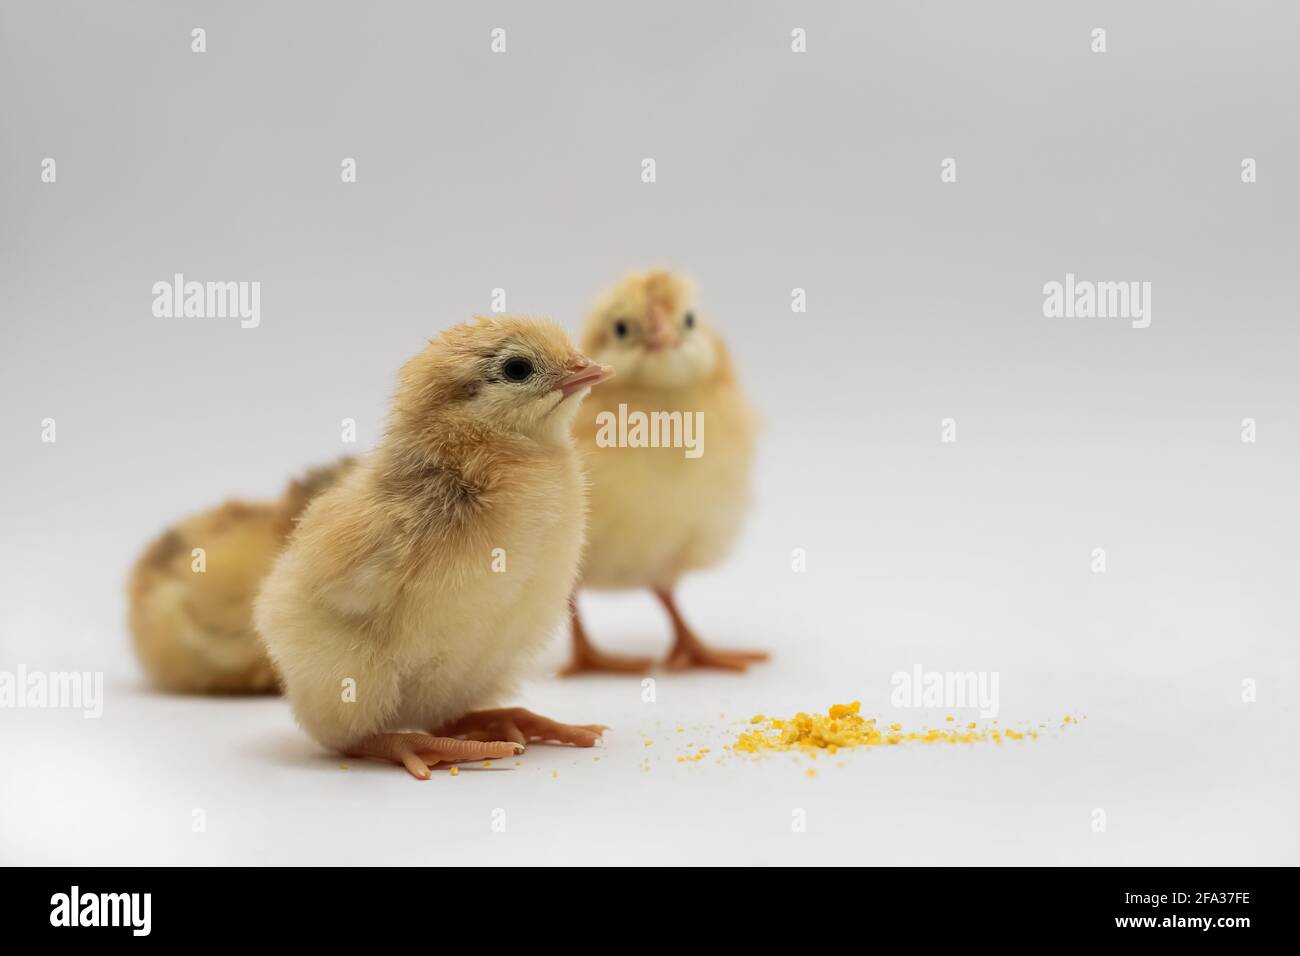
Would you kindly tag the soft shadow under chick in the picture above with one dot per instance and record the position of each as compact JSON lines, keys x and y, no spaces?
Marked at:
{"x":191,"y":615}
{"x":414,"y":590}
{"x":657,"y":513}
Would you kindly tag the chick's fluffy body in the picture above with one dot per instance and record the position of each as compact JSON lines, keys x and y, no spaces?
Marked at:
{"x":384,"y":612}
{"x":656,"y":514}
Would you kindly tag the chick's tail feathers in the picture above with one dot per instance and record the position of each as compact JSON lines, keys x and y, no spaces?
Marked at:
{"x":191,"y":592}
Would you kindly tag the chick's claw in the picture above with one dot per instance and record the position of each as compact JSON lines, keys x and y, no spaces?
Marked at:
{"x":522,"y":726}
{"x":418,"y":752}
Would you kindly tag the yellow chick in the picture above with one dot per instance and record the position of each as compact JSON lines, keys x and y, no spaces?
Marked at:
{"x":412,"y":592}
{"x":657,"y":513}
{"x":191,"y":592}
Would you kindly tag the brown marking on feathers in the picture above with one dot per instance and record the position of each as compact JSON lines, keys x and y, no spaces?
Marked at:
{"x":161,"y":552}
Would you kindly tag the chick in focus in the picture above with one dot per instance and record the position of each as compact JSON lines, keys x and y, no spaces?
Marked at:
{"x":191,"y":615}
{"x":414,"y":590}
{"x":655,"y":513}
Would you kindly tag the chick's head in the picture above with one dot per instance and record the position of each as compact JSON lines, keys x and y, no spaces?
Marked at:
{"x":648,"y":329}
{"x":504,"y":374}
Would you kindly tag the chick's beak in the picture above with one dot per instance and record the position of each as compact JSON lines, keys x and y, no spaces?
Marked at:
{"x":659,"y":332}
{"x":584,"y":376}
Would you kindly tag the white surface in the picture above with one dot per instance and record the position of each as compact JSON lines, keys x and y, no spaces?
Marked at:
{"x":1185,"y":774}
{"x":967,"y":557}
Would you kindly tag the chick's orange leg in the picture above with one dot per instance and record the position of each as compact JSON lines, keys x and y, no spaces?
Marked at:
{"x":689,"y":651}
{"x":418,"y":752}
{"x":587,"y":658}
{"x":521,"y":726}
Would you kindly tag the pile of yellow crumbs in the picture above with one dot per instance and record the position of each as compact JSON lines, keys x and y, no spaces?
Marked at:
{"x":844,"y":727}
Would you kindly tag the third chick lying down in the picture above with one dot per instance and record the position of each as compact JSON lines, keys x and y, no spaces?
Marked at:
{"x":191,"y":592}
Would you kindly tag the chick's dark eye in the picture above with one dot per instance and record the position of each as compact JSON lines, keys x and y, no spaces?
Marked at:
{"x":620,"y":329}
{"x":517,"y":369}
{"x":690,"y":320}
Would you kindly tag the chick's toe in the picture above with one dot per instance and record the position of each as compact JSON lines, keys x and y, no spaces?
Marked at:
{"x":418,"y":752}
{"x":518,"y":724}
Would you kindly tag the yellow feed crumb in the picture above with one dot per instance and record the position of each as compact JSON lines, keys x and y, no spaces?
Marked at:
{"x":844,"y":726}
{"x":455,"y":771}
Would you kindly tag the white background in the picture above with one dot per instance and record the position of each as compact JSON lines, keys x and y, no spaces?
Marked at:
{"x":775,"y":170}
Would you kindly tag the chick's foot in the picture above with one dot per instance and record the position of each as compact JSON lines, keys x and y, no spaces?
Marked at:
{"x":689,"y":651}
{"x":522,"y":726}
{"x":588,"y":659}
{"x":418,"y":752}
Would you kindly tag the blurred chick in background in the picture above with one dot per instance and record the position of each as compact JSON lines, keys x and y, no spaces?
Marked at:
{"x":655,"y":514}
{"x":193,"y":630}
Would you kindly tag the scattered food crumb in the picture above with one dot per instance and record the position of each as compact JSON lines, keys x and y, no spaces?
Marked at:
{"x":844,"y":726}
{"x":455,"y":771}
